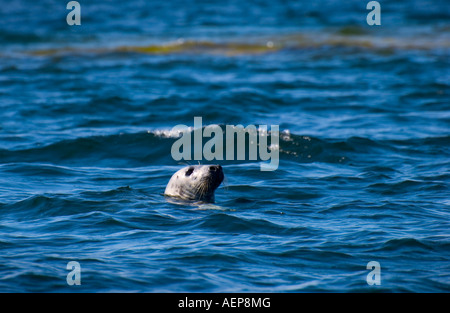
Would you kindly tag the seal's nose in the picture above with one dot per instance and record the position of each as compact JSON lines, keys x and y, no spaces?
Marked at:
{"x":215,"y":168}
{"x":216,"y":175}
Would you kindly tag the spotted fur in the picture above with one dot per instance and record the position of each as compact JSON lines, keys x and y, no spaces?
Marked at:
{"x":195,"y":182}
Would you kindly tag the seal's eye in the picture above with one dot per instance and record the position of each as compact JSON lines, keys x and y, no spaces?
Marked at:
{"x":189,"y":171}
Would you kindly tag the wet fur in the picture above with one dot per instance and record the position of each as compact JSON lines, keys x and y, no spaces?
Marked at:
{"x":195,"y":182}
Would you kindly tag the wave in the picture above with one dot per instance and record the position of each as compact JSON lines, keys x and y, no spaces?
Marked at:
{"x":154,"y":147}
{"x":225,"y":223}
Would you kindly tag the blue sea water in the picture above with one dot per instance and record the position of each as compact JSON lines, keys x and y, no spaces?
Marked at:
{"x":85,"y":145}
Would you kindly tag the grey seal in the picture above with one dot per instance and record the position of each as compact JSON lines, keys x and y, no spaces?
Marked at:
{"x":195,"y":182}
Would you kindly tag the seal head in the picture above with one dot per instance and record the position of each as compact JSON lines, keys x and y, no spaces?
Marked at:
{"x":195,"y":182}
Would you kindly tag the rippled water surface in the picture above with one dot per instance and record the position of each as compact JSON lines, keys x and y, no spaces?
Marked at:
{"x":85,"y":146}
